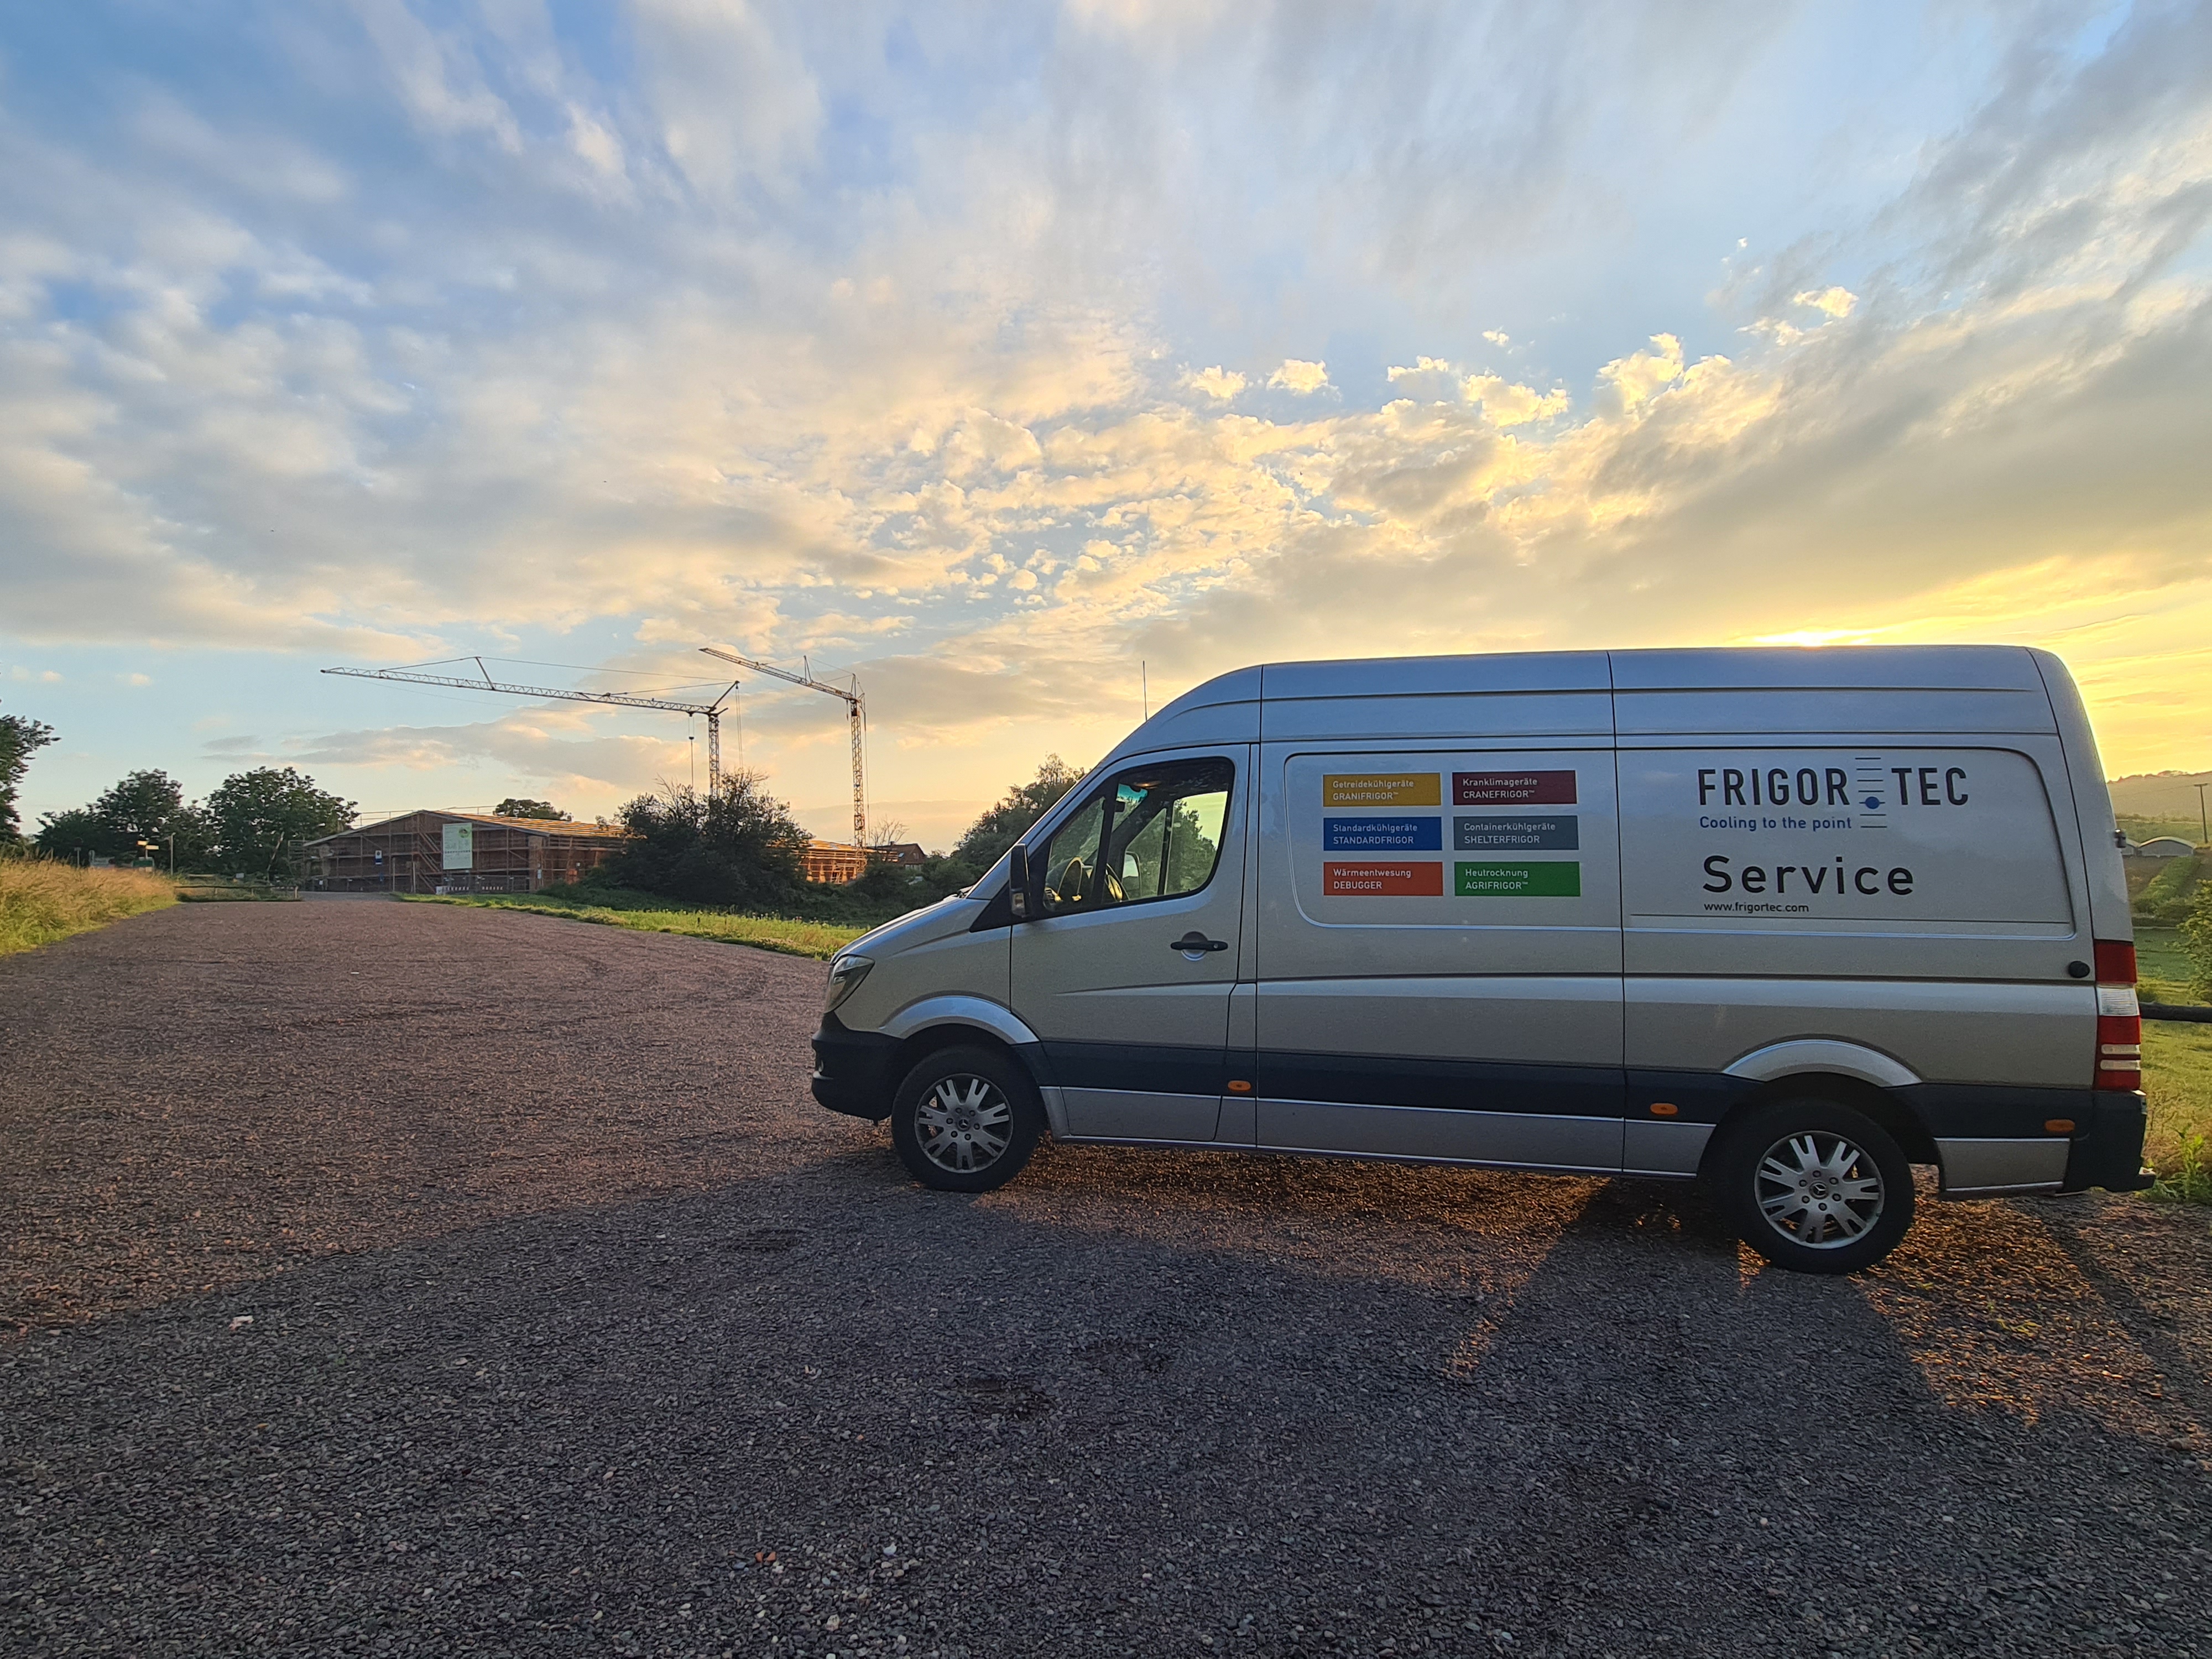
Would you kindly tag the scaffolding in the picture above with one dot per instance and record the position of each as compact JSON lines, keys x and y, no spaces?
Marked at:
{"x":407,"y":854}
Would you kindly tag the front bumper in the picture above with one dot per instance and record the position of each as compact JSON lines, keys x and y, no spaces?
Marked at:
{"x":855,"y":1072}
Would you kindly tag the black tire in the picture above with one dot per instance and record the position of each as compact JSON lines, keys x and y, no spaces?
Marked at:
{"x":1813,"y":1185}
{"x":965,"y":1119}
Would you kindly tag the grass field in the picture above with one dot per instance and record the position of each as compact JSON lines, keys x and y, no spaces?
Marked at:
{"x":2162,"y":968}
{"x":41,"y":900}
{"x":213,"y":889}
{"x":817,"y":940}
{"x":2178,"y":1075}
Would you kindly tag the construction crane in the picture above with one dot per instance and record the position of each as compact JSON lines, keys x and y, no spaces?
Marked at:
{"x":713,"y":711}
{"x":855,"y":706}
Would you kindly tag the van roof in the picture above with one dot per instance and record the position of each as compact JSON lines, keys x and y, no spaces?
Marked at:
{"x":1625,"y":693}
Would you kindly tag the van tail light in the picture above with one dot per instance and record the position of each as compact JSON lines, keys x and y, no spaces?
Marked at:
{"x":2115,"y":962}
{"x":2119,"y":1017}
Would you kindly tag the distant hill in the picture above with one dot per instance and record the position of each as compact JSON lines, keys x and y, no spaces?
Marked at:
{"x":2151,"y":803}
{"x":2159,"y":794}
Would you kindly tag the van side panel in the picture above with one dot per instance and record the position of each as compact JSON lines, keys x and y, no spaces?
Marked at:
{"x":1440,"y":951}
{"x":1874,"y":856}
{"x":1991,"y":1032}
{"x":1923,"y":896}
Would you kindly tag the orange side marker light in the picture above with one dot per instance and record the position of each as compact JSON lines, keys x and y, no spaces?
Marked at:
{"x":1237,"y":1085}
{"x":1664,"y":1109}
{"x":2059,"y":1125}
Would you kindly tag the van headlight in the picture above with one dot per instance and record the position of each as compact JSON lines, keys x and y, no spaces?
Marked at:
{"x":846,"y":974}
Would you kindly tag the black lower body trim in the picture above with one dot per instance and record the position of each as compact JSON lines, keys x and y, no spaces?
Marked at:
{"x":1147,"y":1068}
{"x":1696,"y":1097}
{"x":1974,"y":1111}
{"x":2106,"y":1140}
{"x":1478,"y":1086}
{"x":855,"y":1072}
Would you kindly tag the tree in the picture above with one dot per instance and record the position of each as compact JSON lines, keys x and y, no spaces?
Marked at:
{"x":69,"y":833}
{"x":514,"y":806}
{"x":257,"y":815}
{"x":147,"y":806}
{"x":1002,"y":825}
{"x":20,"y":740}
{"x":738,"y":846}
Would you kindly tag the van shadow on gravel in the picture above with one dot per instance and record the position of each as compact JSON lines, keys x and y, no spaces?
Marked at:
{"x":1261,"y":1407}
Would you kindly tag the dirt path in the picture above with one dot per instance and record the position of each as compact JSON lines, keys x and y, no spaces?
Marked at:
{"x":568,"y":1310}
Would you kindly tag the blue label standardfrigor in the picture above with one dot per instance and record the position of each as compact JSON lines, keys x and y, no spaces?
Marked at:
{"x":1489,"y":834}
{"x":1381,"y":834}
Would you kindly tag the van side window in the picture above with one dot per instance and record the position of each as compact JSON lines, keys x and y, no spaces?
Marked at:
{"x":1148,"y":833}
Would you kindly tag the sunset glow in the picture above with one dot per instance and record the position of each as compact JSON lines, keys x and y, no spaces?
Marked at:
{"x":1024,"y":360}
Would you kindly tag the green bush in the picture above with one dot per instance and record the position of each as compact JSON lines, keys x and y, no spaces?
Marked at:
{"x":2196,"y":941}
{"x":2168,"y":898}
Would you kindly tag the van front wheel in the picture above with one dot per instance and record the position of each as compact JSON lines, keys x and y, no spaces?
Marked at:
{"x":1813,"y":1185}
{"x":966,"y":1120}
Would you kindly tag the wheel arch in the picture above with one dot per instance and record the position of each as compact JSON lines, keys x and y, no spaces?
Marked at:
{"x":917,"y":1046}
{"x":1841,"y":1089}
{"x":923,"y":1041}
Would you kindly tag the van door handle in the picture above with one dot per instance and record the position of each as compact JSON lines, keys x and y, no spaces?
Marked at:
{"x":1196,"y":944}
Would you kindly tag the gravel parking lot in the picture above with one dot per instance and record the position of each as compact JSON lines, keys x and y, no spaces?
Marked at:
{"x":392,"y":1279}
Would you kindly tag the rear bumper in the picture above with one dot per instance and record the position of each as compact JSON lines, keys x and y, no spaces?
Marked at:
{"x":1992,"y":1140}
{"x":855,"y":1072}
{"x":2108,"y":1146}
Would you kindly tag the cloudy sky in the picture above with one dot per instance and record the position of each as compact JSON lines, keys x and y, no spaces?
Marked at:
{"x":1009,"y":357}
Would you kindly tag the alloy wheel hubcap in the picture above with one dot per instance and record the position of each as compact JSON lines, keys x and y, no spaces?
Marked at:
{"x":1818,"y":1189}
{"x":964,"y":1123}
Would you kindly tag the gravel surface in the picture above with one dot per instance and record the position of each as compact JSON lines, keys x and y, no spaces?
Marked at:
{"x":409,"y":1279}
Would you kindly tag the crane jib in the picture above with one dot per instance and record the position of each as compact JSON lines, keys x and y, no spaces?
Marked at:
{"x":712,"y":711}
{"x":855,"y":706}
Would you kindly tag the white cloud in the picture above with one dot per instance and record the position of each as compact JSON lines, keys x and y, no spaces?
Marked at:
{"x":1835,"y":301}
{"x":1639,"y":376}
{"x":1429,"y":377}
{"x":1217,"y":383}
{"x":437,"y":75}
{"x":1299,"y":376}
{"x":1508,"y":405}
{"x":732,"y":99}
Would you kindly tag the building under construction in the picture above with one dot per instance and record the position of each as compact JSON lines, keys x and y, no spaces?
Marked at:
{"x":830,"y":863}
{"x":433,"y":852}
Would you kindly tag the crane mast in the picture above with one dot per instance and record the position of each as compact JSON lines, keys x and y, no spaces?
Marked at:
{"x":855,"y":709}
{"x":712,"y":711}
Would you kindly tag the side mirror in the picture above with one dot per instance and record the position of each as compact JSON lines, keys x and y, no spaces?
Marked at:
{"x":1017,"y":883}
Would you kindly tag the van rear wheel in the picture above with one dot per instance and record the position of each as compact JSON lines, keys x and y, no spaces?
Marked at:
{"x":966,"y":1120}
{"x":1813,"y":1185}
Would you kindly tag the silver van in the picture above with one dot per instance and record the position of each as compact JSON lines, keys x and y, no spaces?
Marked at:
{"x":1790,"y":921}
